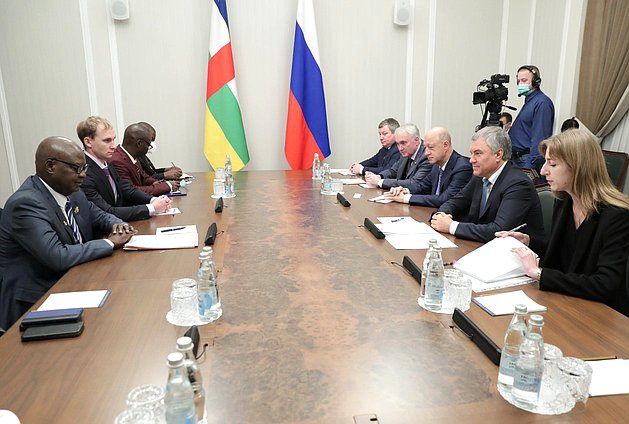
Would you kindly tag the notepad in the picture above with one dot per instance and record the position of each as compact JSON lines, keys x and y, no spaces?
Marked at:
{"x":78,"y":299}
{"x":405,"y":233}
{"x":504,"y":303}
{"x":380,"y":199}
{"x":609,"y":377}
{"x":171,"y":211}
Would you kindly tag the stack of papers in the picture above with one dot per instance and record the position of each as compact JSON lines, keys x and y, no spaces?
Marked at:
{"x":609,"y":377}
{"x":367,"y":185}
{"x":171,"y":211}
{"x":494,"y":265}
{"x":381,"y":199}
{"x":342,"y":171}
{"x":404,"y":233}
{"x":166,"y":238}
{"x":504,"y":303}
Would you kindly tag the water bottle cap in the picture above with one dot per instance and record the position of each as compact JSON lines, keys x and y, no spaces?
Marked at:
{"x":521,"y":308}
{"x":175,"y":360}
{"x":536,"y":320}
{"x":184,"y":343}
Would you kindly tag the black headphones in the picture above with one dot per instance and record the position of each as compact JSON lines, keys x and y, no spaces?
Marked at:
{"x":536,"y":81}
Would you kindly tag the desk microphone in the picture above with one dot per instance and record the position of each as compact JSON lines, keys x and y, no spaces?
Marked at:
{"x":480,"y":339}
{"x":342,"y":200}
{"x":218,"y":207}
{"x":210,"y":236}
{"x":373,"y":229}
{"x":414,"y":270}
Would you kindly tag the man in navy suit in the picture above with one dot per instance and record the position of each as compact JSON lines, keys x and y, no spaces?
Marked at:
{"x":412,"y":166}
{"x":386,"y":156}
{"x":499,"y":197}
{"x":103,"y":185}
{"x":449,"y":174}
{"x":48,"y":226}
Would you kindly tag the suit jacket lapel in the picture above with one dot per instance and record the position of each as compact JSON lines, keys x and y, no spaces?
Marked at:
{"x":61,"y":223}
{"x":495,"y":188}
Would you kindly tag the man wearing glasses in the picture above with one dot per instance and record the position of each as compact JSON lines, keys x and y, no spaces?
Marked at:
{"x":103,"y":185}
{"x":48,"y":226}
{"x":136,"y":143}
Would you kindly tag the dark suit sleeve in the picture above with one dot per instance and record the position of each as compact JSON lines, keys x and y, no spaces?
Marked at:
{"x":392,"y":172}
{"x":458,"y":178}
{"x":515,"y":203}
{"x":372,"y":162}
{"x":149,"y":186}
{"x":423,"y":168}
{"x":136,"y":198}
{"x":607,"y":279}
{"x":459,"y":205}
{"x":33,"y":230}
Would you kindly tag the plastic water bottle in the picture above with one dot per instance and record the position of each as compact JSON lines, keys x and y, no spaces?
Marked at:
{"x":185,"y":346}
{"x":210,"y":308}
{"x":179,"y":399}
{"x":511,"y":349}
{"x":229,"y":177}
{"x":529,"y":368}
{"x":326,"y":180}
{"x":432,"y":243}
{"x":435,"y":283}
{"x":316,"y":167}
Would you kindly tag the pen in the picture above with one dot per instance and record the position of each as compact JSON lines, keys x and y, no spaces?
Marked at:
{"x":600,"y":358}
{"x":173,"y":164}
{"x":519,"y":227}
{"x":172,"y":229}
{"x":397,"y":219}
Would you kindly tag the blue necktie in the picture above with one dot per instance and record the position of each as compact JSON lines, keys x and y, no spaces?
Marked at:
{"x":483,"y":200}
{"x":72,"y":222}
{"x":438,"y":191}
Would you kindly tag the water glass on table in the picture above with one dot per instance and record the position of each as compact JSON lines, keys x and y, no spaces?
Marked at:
{"x":136,"y":416}
{"x":184,"y":303}
{"x":148,"y":397}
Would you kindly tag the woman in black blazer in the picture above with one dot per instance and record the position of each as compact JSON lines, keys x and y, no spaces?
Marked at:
{"x":586,"y":255}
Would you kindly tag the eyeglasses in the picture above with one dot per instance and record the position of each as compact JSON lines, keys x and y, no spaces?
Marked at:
{"x":148,"y":143}
{"x":77,"y":168}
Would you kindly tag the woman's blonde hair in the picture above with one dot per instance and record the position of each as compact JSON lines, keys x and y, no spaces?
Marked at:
{"x":590,"y":181}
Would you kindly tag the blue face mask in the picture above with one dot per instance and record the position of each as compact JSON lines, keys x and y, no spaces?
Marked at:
{"x":524,"y":89}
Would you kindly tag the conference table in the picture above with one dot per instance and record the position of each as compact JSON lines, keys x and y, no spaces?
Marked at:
{"x":320,"y":323}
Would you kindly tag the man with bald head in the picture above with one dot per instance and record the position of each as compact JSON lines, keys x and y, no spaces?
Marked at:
{"x":449,"y":174}
{"x":48,"y":226}
{"x":136,"y":143}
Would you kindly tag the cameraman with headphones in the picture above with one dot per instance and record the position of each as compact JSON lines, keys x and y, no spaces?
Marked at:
{"x":535,"y":121}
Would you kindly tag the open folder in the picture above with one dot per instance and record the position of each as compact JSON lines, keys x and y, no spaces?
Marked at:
{"x":493,"y":261}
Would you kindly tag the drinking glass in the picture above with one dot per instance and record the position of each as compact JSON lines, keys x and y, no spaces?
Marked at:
{"x":184,"y":301}
{"x":149,"y":397}
{"x":136,"y":416}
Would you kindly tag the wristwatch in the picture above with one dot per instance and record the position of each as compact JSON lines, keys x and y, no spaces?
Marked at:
{"x":539,"y":274}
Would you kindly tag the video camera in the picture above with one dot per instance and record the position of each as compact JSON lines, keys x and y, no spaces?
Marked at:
{"x":493,"y":93}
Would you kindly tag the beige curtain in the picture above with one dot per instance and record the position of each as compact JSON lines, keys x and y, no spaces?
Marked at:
{"x":603,"y":98}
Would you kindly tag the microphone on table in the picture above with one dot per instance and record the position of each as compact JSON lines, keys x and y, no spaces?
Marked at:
{"x":342,"y":200}
{"x":373,"y":229}
{"x":210,"y":236}
{"x":218,"y":207}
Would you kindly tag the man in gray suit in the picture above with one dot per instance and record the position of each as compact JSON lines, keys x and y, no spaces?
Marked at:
{"x":48,"y":226}
{"x":413,"y":166}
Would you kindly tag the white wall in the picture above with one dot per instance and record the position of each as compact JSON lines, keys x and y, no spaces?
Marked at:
{"x":62,"y":60}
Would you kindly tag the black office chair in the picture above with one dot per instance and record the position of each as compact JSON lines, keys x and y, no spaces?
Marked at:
{"x":547,"y":201}
{"x":617,"y":163}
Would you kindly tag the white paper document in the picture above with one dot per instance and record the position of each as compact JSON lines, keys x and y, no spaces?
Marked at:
{"x":367,"y":185}
{"x":504,"y":303}
{"x":181,"y":238}
{"x":78,"y":299}
{"x":380,"y":199}
{"x":493,"y":261}
{"x":352,"y":181}
{"x":171,"y":211}
{"x":358,"y":195}
{"x":609,"y":377}
{"x":405,"y":233}
{"x":479,"y":286}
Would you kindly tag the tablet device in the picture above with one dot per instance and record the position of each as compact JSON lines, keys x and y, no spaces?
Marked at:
{"x":55,"y":331}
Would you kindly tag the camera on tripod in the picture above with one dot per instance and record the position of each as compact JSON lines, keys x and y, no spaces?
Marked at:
{"x":493,"y":93}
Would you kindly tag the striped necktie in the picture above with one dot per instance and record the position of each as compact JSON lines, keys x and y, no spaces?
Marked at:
{"x":72,"y":222}
{"x":438,"y":191}
{"x":486,"y":190}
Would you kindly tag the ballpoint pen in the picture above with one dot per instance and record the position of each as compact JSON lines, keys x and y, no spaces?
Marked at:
{"x":519,"y":227}
{"x":172,"y":229}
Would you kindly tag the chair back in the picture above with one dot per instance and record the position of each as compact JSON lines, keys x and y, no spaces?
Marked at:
{"x":617,"y":163}
{"x":547,"y":200}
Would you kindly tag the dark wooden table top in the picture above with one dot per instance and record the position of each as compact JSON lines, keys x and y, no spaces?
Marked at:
{"x":320,"y":323}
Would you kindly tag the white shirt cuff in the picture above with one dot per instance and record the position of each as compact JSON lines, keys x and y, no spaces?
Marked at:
{"x":407,"y":198}
{"x":453,"y":226}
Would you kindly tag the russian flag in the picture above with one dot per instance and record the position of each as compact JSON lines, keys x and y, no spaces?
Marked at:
{"x":306,"y":124}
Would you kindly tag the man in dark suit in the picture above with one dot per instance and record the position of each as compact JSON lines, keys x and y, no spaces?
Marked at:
{"x":412,"y":166}
{"x":449,"y":174}
{"x":136,"y":143}
{"x":386,"y":156}
{"x":170,"y":173}
{"x":499,"y":197}
{"x":103,"y":186}
{"x":48,"y":226}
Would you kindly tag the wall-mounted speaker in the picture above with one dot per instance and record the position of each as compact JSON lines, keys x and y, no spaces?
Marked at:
{"x":402,"y":12}
{"x":119,"y":9}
